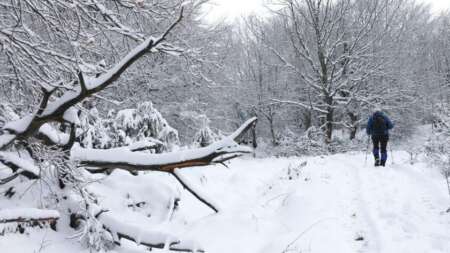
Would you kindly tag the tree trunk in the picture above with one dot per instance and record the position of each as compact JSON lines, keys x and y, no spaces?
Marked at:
{"x":307,"y":119}
{"x":272,"y":129}
{"x":329,"y":120}
{"x":353,"y":121}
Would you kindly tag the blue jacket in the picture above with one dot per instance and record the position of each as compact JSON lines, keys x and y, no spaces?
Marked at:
{"x":370,"y":130}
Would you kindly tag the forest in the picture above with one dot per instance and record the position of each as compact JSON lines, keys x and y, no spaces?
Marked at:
{"x":131,"y":126}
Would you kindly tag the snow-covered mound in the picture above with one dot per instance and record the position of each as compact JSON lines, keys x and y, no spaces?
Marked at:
{"x":326,"y":204}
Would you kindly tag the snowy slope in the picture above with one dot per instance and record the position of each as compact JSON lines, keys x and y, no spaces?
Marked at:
{"x":335,"y":200}
{"x":331,"y":204}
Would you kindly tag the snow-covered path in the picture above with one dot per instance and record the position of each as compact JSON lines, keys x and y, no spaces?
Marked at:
{"x":336,"y":204}
{"x":329,"y":204}
{"x":407,"y":209}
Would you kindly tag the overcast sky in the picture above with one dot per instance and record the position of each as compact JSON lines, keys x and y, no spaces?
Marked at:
{"x":436,"y":5}
{"x":231,"y":9}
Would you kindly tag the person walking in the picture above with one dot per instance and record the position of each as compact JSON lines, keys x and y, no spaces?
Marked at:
{"x":378,"y":127}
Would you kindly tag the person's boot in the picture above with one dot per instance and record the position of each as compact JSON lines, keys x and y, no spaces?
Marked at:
{"x":377,"y":162}
{"x":383,"y":158}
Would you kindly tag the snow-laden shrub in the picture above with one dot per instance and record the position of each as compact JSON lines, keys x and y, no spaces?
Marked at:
{"x":413,"y":148}
{"x":145,"y":123}
{"x":154,"y":125}
{"x":293,"y":144}
{"x":342,"y":143}
{"x":438,"y":146}
{"x":312,"y":142}
{"x":126,"y":127}
{"x":205,"y":136}
{"x":405,"y":122}
{"x":94,"y":131}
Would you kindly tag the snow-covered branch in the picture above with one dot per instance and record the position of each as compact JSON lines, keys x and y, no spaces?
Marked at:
{"x":135,"y":232}
{"x":184,"y":182}
{"x":28,"y":215}
{"x":299,"y":104}
{"x":53,"y":136}
{"x":19,"y":166}
{"x":137,"y":161}
{"x":59,"y":109}
{"x":144,"y":236}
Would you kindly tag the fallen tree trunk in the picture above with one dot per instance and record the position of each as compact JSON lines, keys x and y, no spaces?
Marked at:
{"x":121,"y":158}
{"x":19,"y":166}
{"x":27,"y":214}
{"x":118,"y":158}
{"x":32,"y":216}
{"x":119,"y":229}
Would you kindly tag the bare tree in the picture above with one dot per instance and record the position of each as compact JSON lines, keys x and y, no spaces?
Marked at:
{"x":333,"y":51}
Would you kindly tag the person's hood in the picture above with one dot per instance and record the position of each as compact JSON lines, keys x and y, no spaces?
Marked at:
{"x":378,"y":113}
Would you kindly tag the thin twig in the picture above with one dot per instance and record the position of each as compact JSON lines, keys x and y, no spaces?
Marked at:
{"x":304,"y":232}
{"x":196,"y":195}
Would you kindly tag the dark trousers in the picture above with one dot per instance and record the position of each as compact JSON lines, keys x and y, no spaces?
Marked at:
{"x":380,"y":142}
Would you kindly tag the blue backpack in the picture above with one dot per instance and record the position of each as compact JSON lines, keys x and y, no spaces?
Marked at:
{"x":379,"y":124}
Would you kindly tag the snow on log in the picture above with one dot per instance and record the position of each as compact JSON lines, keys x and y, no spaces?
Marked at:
{"x":149,"y":143}
{"x":19,"y":165}
{"x":5,"y":139}
{"x":18,"y":126}
{"x":167,"y":162}
{"x":53,"y":135}
{"x":187,"y":246}
{"x":28,"y":215}
{"x":143,"y":236}
{"x":9,"y":178}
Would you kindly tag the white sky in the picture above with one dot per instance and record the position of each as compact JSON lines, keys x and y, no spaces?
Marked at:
{"x":436,"y":5}
{"x":231,"y":9}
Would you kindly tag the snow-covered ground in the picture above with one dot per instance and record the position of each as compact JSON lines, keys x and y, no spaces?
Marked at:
{"x":334,"y":201}
{"x":338,"y":203}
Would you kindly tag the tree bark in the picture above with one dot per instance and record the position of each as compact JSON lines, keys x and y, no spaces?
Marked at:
{"x":353,"y":124}
{"x":329,"y":120}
